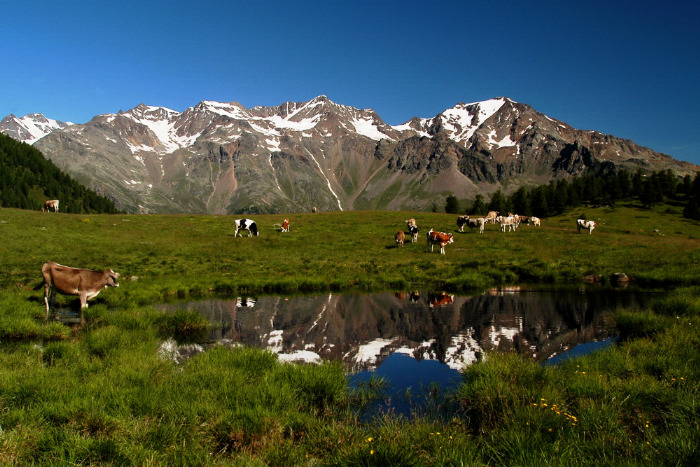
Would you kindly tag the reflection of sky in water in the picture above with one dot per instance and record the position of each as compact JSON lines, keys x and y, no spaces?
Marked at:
{"x":403,"y":373}
{"x":581,"y":350}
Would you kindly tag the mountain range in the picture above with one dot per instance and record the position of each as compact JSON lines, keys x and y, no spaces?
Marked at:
{"x":224,"y":158}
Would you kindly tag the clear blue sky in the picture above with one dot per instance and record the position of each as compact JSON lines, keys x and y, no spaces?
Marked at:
{"x":626,"y":68}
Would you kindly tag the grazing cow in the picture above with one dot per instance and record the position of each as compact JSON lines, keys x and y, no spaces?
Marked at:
{"x":583,"y":223}
{"x":285,"y":225}
{"x":84,"y":283}
{"x":462,"y":221}
{"x":313,"y":209}
{"x":399,"y":238}
{"x":491,"y":216}
{"x":439,"y":238}
{"x":535,"y":221}
{"x":508,"y":222}
{"x":50,"y":204}
{"x":246,"y":224}
{"x":524,"y":220}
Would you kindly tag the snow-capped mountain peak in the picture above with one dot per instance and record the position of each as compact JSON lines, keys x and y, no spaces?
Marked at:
{"x":223,"y":157}
{"x":30,"y":128}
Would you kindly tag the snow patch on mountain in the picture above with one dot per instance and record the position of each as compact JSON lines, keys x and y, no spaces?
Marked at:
{"x":368,"y":127}
{"x":30,"y":128}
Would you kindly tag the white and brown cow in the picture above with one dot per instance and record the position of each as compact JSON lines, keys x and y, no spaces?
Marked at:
{"x":491,"y":216}
{"x":507,"y":223}
{"x":85,"y":283}
{"x":399,"y":238}
{"x":535,"y":221}
{"x":246,"y":225}
{"x":439,"y":238}
{"x":584,"y":224}
{"x":50,"y":204}
{"x":285,"y":225}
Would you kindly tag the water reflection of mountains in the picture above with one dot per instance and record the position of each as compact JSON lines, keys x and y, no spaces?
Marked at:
{"x":362,"y":330}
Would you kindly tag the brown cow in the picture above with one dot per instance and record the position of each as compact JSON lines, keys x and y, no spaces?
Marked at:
{"x":285,"y":225}
{"x":50,"y":204}
{"x":84,"y":283}
{"x":491,"y":216}
{"x":439,"y":238}
{"x":399,"y":238}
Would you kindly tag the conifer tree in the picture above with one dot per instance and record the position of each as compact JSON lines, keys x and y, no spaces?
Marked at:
{"x":451,"y":204}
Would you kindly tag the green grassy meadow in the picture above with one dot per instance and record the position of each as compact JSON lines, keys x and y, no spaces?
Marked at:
{"x":103,"y":394}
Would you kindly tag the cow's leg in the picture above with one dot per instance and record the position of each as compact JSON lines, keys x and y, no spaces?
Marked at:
{"x":47,"y":292}
{"x":52,"y":298}
{"x":83,"y":300}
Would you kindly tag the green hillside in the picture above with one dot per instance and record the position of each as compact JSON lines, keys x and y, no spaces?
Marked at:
{"x":27,"y":179}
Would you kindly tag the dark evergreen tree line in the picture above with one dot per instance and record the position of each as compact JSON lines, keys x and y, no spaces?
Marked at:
{"x":27,"y":179}
{"x":692,"y":190}
{"x":559,"y":195}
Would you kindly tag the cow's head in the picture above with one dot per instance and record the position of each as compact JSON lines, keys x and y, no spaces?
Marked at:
{"x":112,"y":278}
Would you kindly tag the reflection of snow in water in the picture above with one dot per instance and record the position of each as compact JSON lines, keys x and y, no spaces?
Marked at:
{"x":463,"y":350}
{"x":363,"y":330}
{"x":368,"y":353}
{"x":300,"y":356}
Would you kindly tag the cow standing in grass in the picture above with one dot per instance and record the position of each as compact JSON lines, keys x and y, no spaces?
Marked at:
{"x":85,"y":283}
{"x":439,"y":238}
{"x":584,"y":224}
{"x":462,"y":221}
{"x":246,"y":225}
{"x":399,"y":238}
{"x":49,"y":205}
{"x":412,"y":228}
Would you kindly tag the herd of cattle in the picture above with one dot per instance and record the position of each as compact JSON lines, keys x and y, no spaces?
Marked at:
{"x":509,"y":223}
{"x":86,"y":283}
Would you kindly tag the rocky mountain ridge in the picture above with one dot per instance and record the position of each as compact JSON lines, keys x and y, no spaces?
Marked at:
{"x":224,"y":158}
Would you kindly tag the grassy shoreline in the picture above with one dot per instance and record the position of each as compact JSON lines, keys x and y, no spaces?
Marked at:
{"x":105,"y":395}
